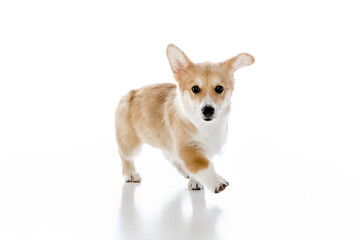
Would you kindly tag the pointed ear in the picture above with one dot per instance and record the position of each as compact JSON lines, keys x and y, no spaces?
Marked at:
{"x":179,"y":62}
{"x":239,"y":61}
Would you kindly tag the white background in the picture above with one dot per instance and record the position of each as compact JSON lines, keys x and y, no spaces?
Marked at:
{"x":292,"y":156}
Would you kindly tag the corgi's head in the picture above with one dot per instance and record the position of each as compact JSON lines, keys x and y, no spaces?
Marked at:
{"x":205,"y":89}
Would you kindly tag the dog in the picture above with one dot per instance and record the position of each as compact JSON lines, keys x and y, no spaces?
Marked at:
{"x":187,"y":121}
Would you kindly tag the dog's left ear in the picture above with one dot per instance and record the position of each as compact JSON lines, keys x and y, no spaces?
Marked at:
{"x":179,"y":62}
{"x":239,"y":61}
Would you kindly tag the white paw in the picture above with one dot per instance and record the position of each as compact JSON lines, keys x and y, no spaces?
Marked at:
{"x":132,"y":177}
{"x":220,"y":185}
{"x":194,"y":185}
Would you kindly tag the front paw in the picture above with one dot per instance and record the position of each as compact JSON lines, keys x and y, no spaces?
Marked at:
{"x":221,"y":185}
{"x":132,"y":177}
{"x":195,"y":185}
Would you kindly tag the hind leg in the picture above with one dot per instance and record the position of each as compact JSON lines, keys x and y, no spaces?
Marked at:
{"x":127,"y":154}
{"x":129,"y":145}
{"x":128,"y":169}
{"x":129,"y":172}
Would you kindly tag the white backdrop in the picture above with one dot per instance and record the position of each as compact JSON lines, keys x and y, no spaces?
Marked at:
{"x":65,"y":64}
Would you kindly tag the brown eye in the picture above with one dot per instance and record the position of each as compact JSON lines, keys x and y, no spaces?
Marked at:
{"x":195,"y":89}
{"x":219,"y":89}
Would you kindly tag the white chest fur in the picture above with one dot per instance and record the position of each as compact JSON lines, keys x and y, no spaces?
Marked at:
{"x":212,"y":135}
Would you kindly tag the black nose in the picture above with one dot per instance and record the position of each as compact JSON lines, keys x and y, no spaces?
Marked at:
{"x":208,"y":111}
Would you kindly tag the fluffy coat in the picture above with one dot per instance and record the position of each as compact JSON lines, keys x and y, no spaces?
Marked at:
{"x":172,"y":118}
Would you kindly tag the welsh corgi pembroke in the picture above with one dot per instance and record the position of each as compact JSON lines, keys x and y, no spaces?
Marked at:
{"x":187,"y":121}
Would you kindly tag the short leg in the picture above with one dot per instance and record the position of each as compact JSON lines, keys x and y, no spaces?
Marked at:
{"x":211,"y":179}
{"x":129,"y":171}
{"x":129,"y":143}
{"x":202,"y":169}
{"x":181,"y":169}
{"x":194,"y":185}
{"x":128,"y":149}
{"x":128,"y":168}
{"x":177,"y":164}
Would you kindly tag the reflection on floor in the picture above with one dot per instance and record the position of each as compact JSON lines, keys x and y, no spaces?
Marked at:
{"x":171,"y":222}
{"x":273,"y":194}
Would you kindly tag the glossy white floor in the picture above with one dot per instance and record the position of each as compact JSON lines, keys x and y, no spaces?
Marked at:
{"x":273,"y":194}
{"x":292,"y":157}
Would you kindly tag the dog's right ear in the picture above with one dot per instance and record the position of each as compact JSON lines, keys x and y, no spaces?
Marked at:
{"x":179,"y":62}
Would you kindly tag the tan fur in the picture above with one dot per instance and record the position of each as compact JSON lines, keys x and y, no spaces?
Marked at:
{"x":207,"y":76}
{"x":127,"y":166}
{"x":193,"y":158}
{"x":149,"y":114}
{"x":229,"y":64}
{"x":155,"y":115}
